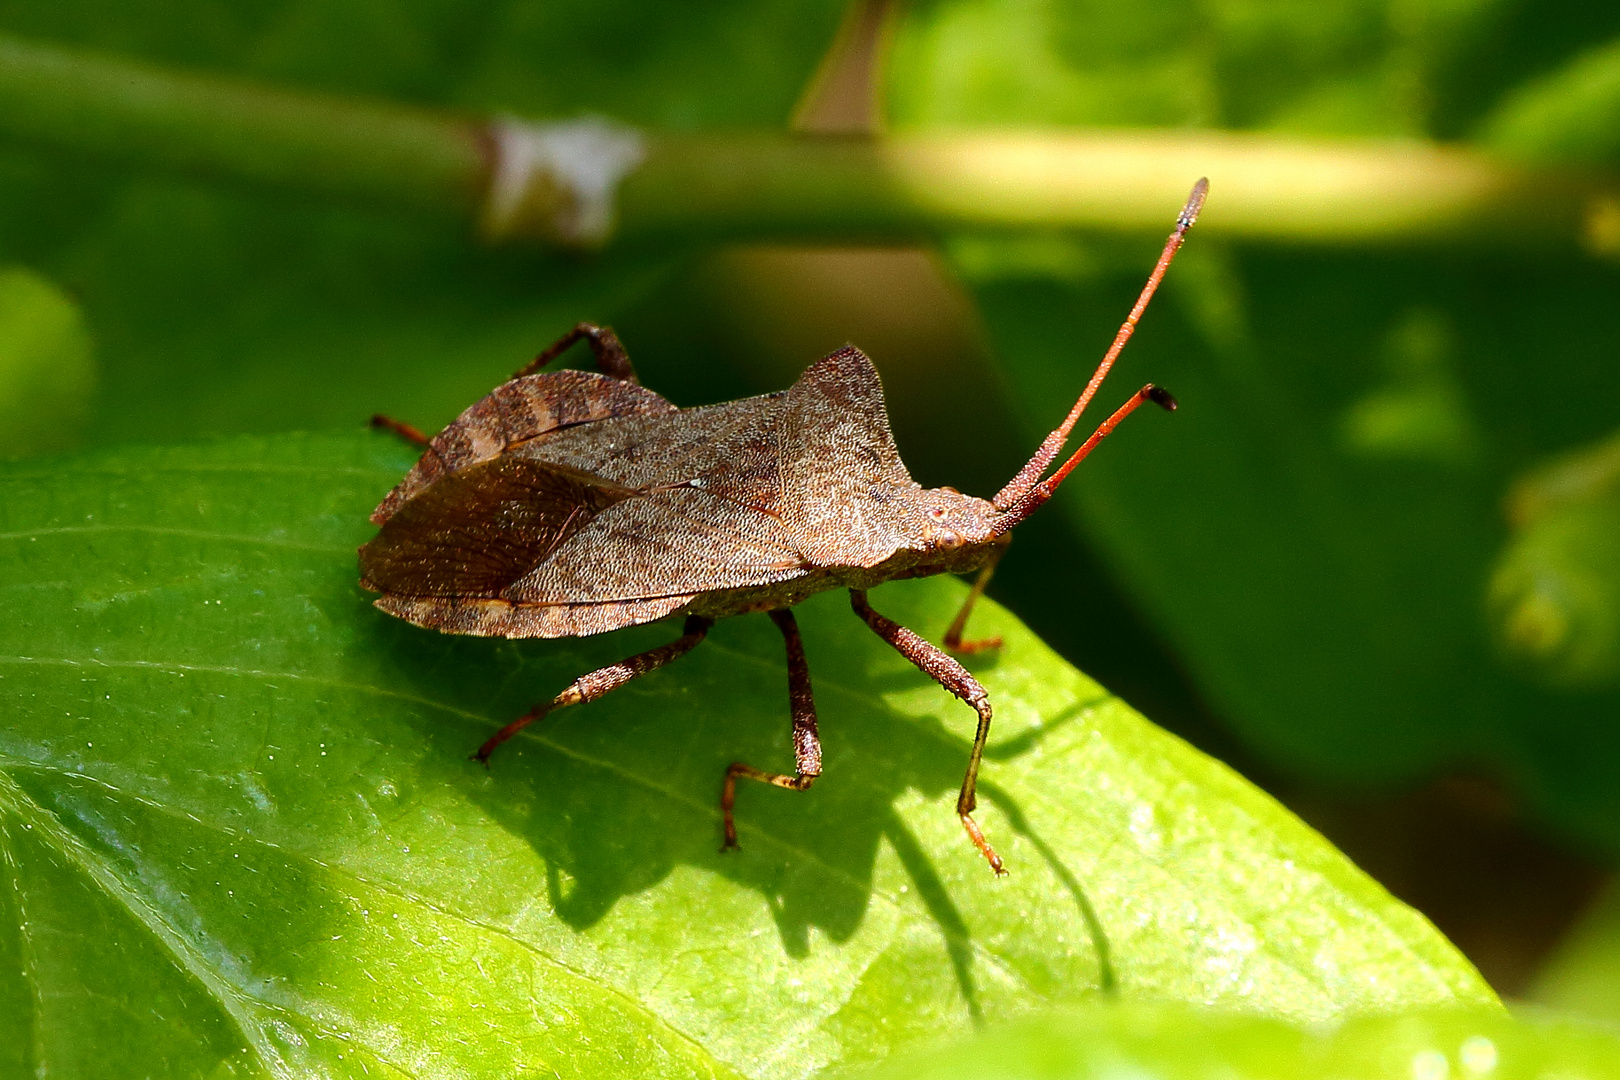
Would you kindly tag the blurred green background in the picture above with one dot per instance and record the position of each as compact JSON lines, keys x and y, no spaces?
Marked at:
{"x":1373,"y":561}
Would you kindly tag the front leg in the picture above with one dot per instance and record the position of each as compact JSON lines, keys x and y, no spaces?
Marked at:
{"x":944,"y":669}
{"x":953,"y":637}
{"x":806,"y":739}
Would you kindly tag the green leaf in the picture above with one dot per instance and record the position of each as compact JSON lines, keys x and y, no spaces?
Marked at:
{"x":1340,"y":66}
{"x":221,"y":309}
{"x":1314,"y":531}
{"x":1174,"y":1041}
{"x":47,"y":365}
{"x":1582,"y":976}
{"x":1568,"y":115}
{"x":240,"y":826}
{"x":1555,"y":596}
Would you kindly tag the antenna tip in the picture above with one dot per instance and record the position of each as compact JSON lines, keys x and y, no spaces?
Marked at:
{"x":1195,"y":203}
{"x":1162,"y":398}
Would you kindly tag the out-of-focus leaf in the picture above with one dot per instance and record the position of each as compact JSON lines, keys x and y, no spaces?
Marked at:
{"x":222,"y":310}
{"x":1570,"y":115}
{"x":1174,"y":1041}
{"x":1338,"y":66}
{"x":1315,"y":529}
{"x":240,"y":826}
{"x":47,"y":366}
{"x":1555,"y":595}
{"x":1582,"y":977}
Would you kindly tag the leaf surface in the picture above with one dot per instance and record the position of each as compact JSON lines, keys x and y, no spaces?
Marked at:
{"x":240,"y":829}
{"x":1174,"y":1041}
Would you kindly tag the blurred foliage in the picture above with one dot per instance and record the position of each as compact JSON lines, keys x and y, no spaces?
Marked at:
{"x":240,"y":825}
{"x":1582,"y":977}
{"x":1568,"y":115}
{"x":47,"y":365}
{"x":1555,"y":594}
{"x":1174,"y":1042}
{"x":219,"y":310}
{"x":1314,"y":531}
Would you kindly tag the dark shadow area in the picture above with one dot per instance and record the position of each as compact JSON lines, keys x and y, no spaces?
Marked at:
{"x":1461,"y":852}
{"x":958,"y":939}
{"x":1107,"y":978}
{"x":616,"y":794}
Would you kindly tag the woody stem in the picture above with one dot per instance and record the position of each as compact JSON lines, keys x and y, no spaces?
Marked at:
{"x":773,"y":184}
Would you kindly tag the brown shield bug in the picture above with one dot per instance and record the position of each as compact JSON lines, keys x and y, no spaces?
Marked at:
{"x":570,"y":503}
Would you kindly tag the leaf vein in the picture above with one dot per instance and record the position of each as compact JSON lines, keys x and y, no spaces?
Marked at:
{"x":161,"y":530}
{"x":30,"y":959}
{"x":1004,"y":964}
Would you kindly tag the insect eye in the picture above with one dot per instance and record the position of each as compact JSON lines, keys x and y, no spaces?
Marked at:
{"x":937,"y":513}
{"x":949,"y":539}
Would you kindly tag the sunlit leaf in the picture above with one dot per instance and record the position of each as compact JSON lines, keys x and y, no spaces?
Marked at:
{"x":1582,"y":974}
{"x":240,"y":828}
{"x":1175,"y":1041}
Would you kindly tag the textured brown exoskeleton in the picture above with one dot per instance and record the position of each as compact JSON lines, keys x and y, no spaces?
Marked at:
{"x":573,"y":503}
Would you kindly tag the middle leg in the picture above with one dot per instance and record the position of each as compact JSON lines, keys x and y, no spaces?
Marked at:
{"x":405,"y":431}
{"x":806,"y":740}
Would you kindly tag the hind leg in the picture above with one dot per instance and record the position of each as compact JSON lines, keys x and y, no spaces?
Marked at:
{"x":602,"y":680}
{"x":611,"y":359}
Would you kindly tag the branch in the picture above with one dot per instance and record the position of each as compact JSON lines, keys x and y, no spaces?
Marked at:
{"x":234,"y":129}
{"x":573,"y":183}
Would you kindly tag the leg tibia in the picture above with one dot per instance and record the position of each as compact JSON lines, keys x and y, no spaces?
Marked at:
{"x":806,"y":739}
{"x":399,"y":427}
{"x":953,"y":637}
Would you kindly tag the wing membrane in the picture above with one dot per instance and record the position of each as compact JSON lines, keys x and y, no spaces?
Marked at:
{"x":518,"y":413}
{"x":475,"y":532}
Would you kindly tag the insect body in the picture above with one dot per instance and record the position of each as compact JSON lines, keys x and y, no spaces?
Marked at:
{"x":571,"y":503}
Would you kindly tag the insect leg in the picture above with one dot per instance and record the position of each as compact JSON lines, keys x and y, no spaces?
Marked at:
{"x":592,"y":686}
{"x":611,"y":358}
{"x":400,"y":428}
{"x":806,"y":740}
{"x":953,"y":637}
{"x":944,"y":669}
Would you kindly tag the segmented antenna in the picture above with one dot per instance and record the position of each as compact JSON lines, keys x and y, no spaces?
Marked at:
{"x":1026,"y":491}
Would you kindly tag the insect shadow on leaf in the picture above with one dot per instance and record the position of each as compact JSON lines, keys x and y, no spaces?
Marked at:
{"x":581,"y":790}
{"x":571,"y":503}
